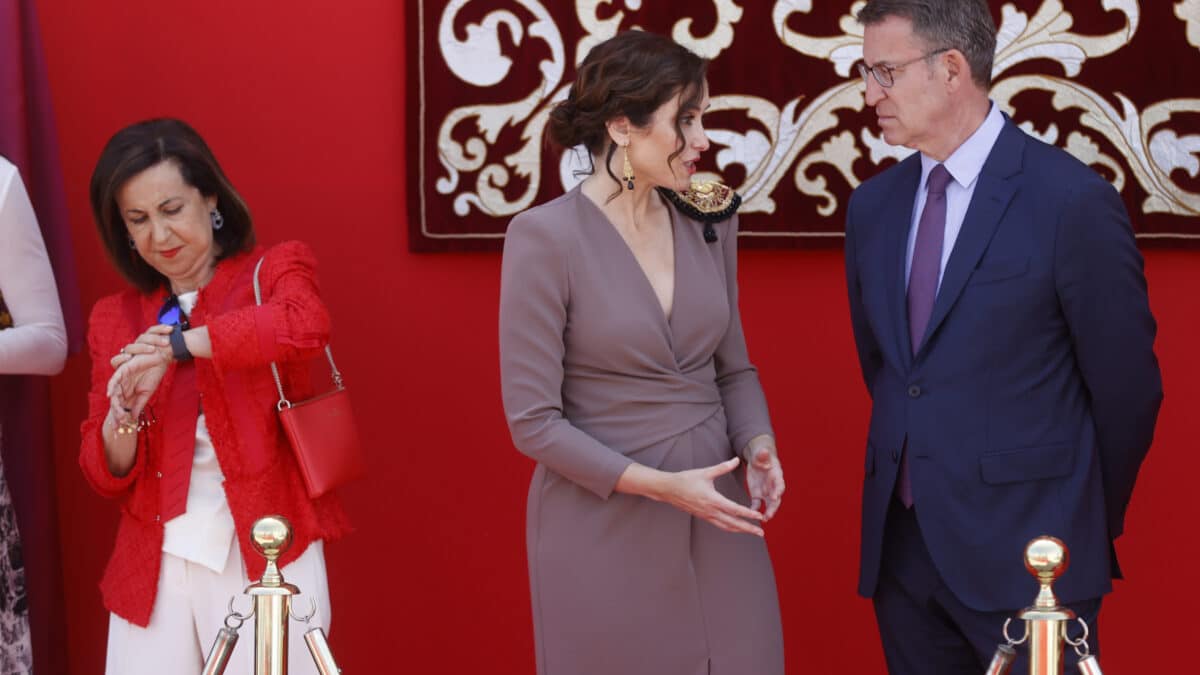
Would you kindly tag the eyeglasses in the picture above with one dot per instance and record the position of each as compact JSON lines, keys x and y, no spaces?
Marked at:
{"x":171,"y":313}
{"x":885,"y":74}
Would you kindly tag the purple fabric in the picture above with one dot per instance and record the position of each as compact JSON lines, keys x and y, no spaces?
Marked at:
{"x":927,"y":256}
{"x":28,"y":139}
{"x":923,"y":284}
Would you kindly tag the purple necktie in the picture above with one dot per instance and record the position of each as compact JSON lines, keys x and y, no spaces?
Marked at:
{"x":923,"y":285}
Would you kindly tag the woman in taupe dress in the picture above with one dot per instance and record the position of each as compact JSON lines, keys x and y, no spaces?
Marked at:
{"x":625,"y":375}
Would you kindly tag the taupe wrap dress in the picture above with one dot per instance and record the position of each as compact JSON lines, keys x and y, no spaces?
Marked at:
{"x":594,"y":377}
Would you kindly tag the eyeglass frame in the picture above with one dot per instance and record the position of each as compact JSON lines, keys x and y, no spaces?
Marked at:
{"x":890,"y":69}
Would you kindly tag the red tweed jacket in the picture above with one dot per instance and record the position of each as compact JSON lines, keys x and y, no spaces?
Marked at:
{"x":238,"y":394}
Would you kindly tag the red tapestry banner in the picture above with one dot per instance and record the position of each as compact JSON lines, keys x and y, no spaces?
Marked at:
{"x":1114,"y":82}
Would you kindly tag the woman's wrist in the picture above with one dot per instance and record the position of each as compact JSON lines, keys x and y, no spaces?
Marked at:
{"x":641,"y":480}
{"x":198,"y":343}
{"x":111,"y":431}
{"x":117,"y":450}
{"x":108,"y":428}
{"x":758,"y":442}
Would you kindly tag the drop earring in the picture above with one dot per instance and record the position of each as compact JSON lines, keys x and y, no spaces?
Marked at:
{"x":628,"y":169}
{"x":218,"y":220}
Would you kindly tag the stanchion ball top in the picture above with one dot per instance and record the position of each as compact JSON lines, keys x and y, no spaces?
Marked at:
{"x":1047,"y":557}
{"x":272,"y":535}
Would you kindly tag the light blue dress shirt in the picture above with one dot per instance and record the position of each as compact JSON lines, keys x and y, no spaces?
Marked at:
{"x":964,"y":165}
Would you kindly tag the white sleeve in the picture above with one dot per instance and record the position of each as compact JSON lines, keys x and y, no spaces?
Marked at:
{"x":37,"y":342}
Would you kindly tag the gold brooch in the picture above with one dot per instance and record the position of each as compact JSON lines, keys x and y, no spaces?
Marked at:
{"x":709,"y":196}
{"x":707,"y":201}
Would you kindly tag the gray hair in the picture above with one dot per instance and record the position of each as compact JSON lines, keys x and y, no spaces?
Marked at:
{"x":965,"y":25}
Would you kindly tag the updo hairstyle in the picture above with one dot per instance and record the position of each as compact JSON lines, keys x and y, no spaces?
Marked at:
{"x":631,"y":74}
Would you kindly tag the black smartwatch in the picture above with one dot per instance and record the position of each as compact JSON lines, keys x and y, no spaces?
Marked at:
{"x":179,"y":350}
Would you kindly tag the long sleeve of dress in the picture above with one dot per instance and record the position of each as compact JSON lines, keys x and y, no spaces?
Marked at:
{"x":737,"y":378}
{"x":37,"y":342}
{"x":534,"y":296}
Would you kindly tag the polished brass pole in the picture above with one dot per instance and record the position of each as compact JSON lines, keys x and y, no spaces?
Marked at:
{"x":1002,"y":661}
{"x":272,"y":598}
{"x":1046,"y":558}
{"x":271,"y":535}
{"x":222,"y":649}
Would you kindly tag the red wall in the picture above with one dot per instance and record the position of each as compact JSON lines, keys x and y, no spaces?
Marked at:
{"x":304,"y":103}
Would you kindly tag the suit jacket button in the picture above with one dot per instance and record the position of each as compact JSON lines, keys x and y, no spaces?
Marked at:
{"x":914,"y":391}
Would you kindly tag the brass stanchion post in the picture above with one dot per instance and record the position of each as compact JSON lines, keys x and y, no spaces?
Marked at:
{"x":272,"y":598}
{"x":1046,"y":558}
{"x":1046,"y":621}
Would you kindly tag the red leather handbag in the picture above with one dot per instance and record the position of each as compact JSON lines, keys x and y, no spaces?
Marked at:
{"x":321,"y":429}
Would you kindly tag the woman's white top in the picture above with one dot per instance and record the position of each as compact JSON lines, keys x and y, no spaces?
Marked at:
{"x":204,"y":532}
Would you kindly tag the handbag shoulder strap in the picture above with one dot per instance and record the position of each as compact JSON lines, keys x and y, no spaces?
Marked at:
{"x":336,"y":374}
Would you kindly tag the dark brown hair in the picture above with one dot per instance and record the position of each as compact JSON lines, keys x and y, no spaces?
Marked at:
{"x":631,"y":74}
{"x":965,"y":25}
{"x":140,"y":146}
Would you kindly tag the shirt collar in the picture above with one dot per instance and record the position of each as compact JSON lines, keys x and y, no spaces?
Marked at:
{"x":966,"y":163}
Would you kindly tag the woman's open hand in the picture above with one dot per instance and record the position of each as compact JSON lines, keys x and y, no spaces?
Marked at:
{"x":693,"y":492}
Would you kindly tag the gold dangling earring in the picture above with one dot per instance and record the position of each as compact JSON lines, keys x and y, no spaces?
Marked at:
{"x":628,"y":170}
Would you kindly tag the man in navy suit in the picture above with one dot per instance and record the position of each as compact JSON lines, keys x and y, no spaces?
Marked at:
{"x":1005,"y":337}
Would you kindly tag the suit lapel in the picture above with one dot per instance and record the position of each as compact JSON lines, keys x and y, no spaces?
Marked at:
{"x":899,"y":221}
{"x":995,"y":190}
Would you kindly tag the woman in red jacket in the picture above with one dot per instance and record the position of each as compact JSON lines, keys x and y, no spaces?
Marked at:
{"x":182,"y":425}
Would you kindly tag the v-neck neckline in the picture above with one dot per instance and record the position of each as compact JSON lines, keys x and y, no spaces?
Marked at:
{"x":666,"y":316}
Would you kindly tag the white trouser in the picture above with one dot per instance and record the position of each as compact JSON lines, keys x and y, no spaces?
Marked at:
{"x":191,"y":606}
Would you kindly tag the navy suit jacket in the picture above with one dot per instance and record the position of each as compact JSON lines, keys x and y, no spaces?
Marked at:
{"x":1032,"y":401}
